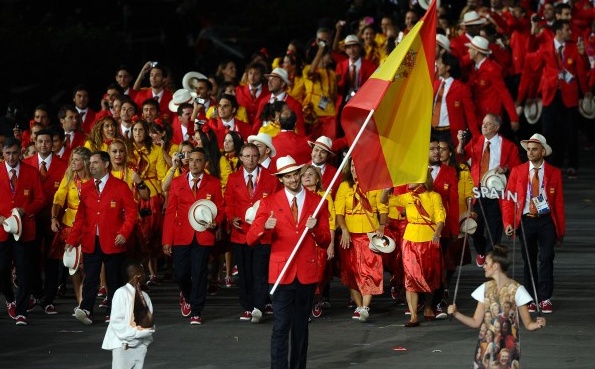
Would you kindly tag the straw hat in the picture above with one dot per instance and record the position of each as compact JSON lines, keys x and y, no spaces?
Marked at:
{"x":189,"y":80}
{"x":443,"y":41}
{"x":201,"y":213}
{"x":480,"y":44}
{"x":287,"y":164}
{"x":180,"y":97}
{"x":492,"y":180}
{"x":383,"y":245}
{"x":537,"y":138}
{"x":351,"y":40}
{"x":473,"y":18}
{"x":324,"y":143}
{"x":532,"y":110}
{"x":467,"y":224}
{"x":13,"y":224}
{"x":72,"y":259}
{"x":251,"y":212}
{"x":265,"y":139}
{"x":279,"y":73}
{"x":586,"y":107}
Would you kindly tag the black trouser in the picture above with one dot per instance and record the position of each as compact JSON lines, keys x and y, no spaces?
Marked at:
{"x":560,"y":129}
{"x":191,"y":263}
{"x":44,"y":289}
{"x":540,"y":234}
{"x":21,"y":252}
{"x":253,"y":272}
{"x":493,"y":221}
{"x":292,"y":304}
{"x":114,"y":275}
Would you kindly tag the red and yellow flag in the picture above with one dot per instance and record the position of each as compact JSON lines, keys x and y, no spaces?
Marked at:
{"x":393,"y":149}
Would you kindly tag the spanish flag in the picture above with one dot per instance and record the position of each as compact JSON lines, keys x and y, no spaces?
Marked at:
{"x":393,"y":148}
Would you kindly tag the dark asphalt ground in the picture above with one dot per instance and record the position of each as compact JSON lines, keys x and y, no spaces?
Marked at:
{"x":336,"y":341}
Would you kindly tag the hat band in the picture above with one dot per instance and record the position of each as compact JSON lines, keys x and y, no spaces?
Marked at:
{"x":323,"y":146}
{"x":481,"y":49}
{"x":279,"y":170}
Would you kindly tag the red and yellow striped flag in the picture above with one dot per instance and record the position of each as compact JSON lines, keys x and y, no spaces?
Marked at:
{"x":393,"y":149}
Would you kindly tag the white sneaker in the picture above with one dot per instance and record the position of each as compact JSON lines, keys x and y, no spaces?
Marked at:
{"x":364,"y":313}
{"x":256,"y":316}
{"x":83,"y":316}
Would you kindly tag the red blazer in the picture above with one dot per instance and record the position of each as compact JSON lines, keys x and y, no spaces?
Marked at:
{"x":294,"y":105}
{"x":241,"y":127}
{"x":89,"y":120}
{"x":176,"y":226}
{"x":289,"y":143}
{"x":509,"y":156}
{"x":237,"y":200}
{"x":286,"y":233}
{"x":147,"y":93}
{"x":28,"y":195}
{"x":177,"y":130}
{"x":327,"y":176}
{"x":77,"y":139}
{"x":342,"y":73}
{"x":461,"y":109}
{"x":113,"y":212}
{"x":446,"y":185}
{"x":518,"y":183}
{"x":546,"y":61}
{"x":457,"y":45}
{"x":54,"y":175}
{"x":251,"y":104}
{"x":490,"y":92}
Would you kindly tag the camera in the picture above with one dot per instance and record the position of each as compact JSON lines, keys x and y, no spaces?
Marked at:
{"x":153,"y":64}
{"x":200,"y":100}
{"x":180,"y":155}
{"x":145,"y":212}
{"x":466,"y":134}
{"x":536,"y":18}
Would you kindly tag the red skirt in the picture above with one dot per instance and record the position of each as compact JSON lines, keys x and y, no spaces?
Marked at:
{"x":422,"y":263}
{"x":361,"y":267}
{"x":57,"y":247}
{"x":323,"y":270}
{"x":394,"y":260}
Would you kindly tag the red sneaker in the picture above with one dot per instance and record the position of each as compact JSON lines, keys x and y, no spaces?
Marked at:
{"x":234,"y":270}
{"x":33,"y":302}
{"x":480,"y":260}
{"x":186,"y":309}
{"x":546,"y":306}
{"x":247,"y":315}
{"x":532,"y":307}
{"x":268,"y":309}
{"x":107,"y":318}
{"x":356,"y":314}
{"x":316,"y":310}
{"x":229,"y":282}
{"x":12,"y":309}
{"x":104,"y":303}
{"x":195,"y":320}
{"x":21,"y":320}
{"x":50,"y":309}
{"x":102,"y":292}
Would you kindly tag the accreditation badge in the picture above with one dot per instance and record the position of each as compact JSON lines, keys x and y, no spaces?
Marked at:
{"x":112,"y":204}
{"x":26,"y":192}
{"x":541,"y":204}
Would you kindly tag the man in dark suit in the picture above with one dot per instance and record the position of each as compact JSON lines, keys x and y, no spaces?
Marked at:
{"x":51,"y":170}
{"x":487,"y":152}
{"x":283,"y":217}
{"x":539,"y":215}
{"x":20,"y":189}
{"x":189,"y":248}
{"x":104,"y":221}
{"x":244,"y":187}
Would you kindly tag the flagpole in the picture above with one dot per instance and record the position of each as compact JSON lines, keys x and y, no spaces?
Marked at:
{"x":319,"y":206}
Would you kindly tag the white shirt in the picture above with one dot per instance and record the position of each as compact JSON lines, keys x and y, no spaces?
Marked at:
{"x":103,"y":182}
{"x":48,"y":161}
{"x":120,"y":330}
{"x":257,"y":88}
{"x":280,"y":97}
{"x":9,"y":168}
{"x":125,"y":130}
{"x":158,"y":96}
{"x":540,"y":174}
{"x":254,"y":176}
{"x":495,"y":150}
{"x":478,"y":64}
{"x":82,"y":113}
{"x":61,"y":152}
{"x":300,"y":198}
{"x":191,"y":182}
{"x":231,"y":124}
{"x":322,"y":167}
{"x":266,"y":163}
{"x":444,"y":121}
{"x":435,"y":171}
{"x":184,"y":129}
